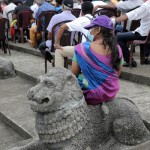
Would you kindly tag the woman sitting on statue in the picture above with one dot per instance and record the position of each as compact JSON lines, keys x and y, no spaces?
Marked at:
{"x":98,"y":63}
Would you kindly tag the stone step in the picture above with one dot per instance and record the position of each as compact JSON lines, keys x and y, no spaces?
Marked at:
{"x":8,"y":136}
{"x":11,"y":134}
{"x":140,"y":74}
{"x":16,"y":118}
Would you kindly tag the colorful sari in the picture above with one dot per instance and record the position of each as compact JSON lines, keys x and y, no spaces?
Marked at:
{"x":98,"y":81}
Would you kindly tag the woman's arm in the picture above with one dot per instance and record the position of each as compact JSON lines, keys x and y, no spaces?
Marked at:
{"x":120,"y":69}
{"x":121,"y":60}
{"x":75,"y":68}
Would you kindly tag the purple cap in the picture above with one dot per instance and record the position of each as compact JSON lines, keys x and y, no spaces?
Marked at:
{"x":102,"y":21}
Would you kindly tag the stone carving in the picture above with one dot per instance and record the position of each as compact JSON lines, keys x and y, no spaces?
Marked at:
{"x":65,"y":122}
{"x":6,"y":69}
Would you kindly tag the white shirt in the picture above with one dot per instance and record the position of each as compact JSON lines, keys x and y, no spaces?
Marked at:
{"x":125,"y":6}
{"x":80,"y":22}
{"x":76,"y":6}
{"x":34,"y":8}
{"x":8,"y":8}
{"x":95,"y":3}
{"x":143,"y":13}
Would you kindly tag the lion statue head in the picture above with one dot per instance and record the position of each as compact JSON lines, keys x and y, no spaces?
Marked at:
{"x":56,"y":89}
{"x":58,"y":101}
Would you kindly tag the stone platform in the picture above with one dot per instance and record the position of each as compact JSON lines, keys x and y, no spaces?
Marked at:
{"x":140,"y":74}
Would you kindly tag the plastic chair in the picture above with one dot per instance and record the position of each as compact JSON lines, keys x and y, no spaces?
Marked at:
{"x":134,"y":24}
{"x":46,"y":15}
{"x":76,"y":12}
{"x":23,"y":22}
{"x":64,"y":41}
{"x":4,"y":27}
{"x":142,"y":44}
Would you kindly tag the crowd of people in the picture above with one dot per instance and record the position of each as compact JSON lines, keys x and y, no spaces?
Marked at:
{"x":97,"y":61}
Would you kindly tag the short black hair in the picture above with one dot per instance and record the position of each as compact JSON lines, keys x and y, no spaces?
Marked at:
{"x":10,"y":1}
{"x":59,"y":2}
{"x":18,"y":1}
{"x":87,"y":0}
{"x":5,"y":2}
{"x":87,"y":7}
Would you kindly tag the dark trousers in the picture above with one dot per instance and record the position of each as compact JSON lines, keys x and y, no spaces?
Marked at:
{"x":42,"y":48}
{"x":123,"y":38}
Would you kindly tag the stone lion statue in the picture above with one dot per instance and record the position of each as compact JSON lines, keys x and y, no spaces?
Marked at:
{"x":65,"y":122}
{"x":6,"y":69}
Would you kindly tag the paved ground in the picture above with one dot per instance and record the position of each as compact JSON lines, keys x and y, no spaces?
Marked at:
{"x":14,"y":103}
{"x":8,"y":136}
{"x":140,"y":74}
{"x":139,"y":94}
{"x":27,"y":63}
{"x":15,"y":106}
{"x":141,"y":69}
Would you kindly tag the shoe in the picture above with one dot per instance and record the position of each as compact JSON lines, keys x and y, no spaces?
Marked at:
{"x":134,"y":64}
{"x":53,"y":63}
{"x":147,"y":62}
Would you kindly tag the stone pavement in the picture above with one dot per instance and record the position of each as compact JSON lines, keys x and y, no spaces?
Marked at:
{"x":16,"y":117}
{"x":29,"y":65}
{"x":140,"y":74}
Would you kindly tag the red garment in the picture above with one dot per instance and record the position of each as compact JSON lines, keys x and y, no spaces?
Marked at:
{"x":12,"y":31}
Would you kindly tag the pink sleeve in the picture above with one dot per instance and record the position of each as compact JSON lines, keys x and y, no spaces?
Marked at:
{"x":120,"y":51}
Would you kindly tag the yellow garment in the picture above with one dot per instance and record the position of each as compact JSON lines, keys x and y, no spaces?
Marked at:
{"x":115,"y":1}
{"x":33,"y":39}
{"x":13,"y":23}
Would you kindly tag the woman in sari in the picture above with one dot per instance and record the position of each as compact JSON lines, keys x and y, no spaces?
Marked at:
{"x":98,"y":64}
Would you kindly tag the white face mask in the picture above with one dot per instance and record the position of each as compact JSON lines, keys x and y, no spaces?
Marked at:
{"x":90,"y":36}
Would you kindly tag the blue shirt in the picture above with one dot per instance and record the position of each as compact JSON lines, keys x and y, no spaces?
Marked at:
{"x":44,"y":7}
{"x":58,"y":9}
